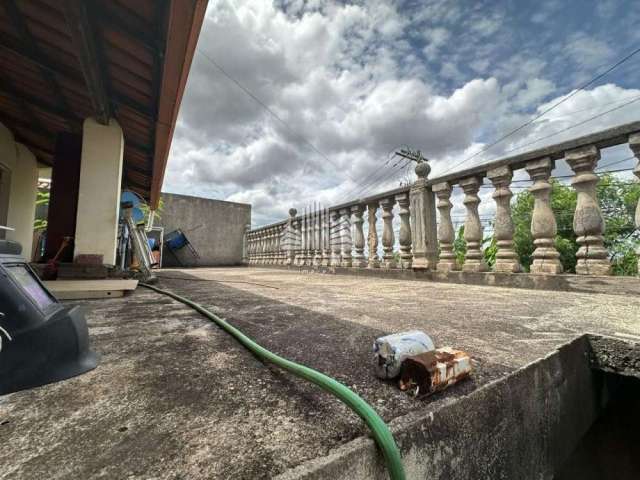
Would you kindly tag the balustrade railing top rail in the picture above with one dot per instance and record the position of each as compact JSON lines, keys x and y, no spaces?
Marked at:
{"x":335,"y":236}
{"x":603,"y":139}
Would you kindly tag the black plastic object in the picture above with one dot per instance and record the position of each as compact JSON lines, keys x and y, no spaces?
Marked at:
{"x":41,"y":340}
{"x":10,"y":247}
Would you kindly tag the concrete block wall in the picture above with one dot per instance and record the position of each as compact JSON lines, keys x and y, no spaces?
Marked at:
{"x":214,"y":227}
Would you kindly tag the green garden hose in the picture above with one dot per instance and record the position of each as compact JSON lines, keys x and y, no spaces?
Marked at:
{"x":379,"y":429}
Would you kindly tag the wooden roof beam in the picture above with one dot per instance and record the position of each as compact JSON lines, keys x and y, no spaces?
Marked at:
{"x":10,"y":89}
{"x":34,"y":102}
{"x":30,"y":45}
{"x":82,"y":34}
{"x":127,"y":22}
{"x":65,"y":72}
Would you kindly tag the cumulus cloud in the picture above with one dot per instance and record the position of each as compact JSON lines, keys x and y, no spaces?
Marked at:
{"x":357,"y":81}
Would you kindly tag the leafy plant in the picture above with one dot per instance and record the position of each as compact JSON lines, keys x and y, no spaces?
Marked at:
{"x":490,"y":246}
{"x":460,"y":246}
{"x":147,"y":211}
{"x":42,"y":198}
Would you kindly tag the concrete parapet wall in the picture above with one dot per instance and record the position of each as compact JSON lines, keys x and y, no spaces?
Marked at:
{"x":568,"y":283}
{"x":523,"y":426}
{"x":215,"y":228}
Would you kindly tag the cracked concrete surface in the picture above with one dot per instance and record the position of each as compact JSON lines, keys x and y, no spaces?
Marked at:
{"x":175,"y":397}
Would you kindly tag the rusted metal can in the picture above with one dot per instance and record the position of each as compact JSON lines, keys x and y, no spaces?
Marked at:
{"x":391,"y":350}
{"x":431,"y":372}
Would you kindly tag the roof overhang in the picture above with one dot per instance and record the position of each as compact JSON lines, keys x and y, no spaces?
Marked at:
{"x":64,"y":61}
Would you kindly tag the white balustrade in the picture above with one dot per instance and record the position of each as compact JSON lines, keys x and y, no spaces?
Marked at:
{"x":336,"y":237}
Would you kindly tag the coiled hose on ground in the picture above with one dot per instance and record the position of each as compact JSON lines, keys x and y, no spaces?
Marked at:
{"x":379,"y":429}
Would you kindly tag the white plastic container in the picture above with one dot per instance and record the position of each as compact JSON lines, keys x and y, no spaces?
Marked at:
{"x":391,"y":350}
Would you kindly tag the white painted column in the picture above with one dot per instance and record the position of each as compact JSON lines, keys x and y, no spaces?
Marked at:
{"x":99,"y":193}
{"x":22,"y":199}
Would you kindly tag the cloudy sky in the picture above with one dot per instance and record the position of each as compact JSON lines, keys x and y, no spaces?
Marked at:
{"x":346,"y":84}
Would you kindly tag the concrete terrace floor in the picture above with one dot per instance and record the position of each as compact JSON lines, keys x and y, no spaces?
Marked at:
{"x":177,"y":398}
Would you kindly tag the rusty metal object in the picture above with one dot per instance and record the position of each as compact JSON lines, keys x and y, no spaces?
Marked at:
{"x":431,"y":372}
{"x":391,"y":350}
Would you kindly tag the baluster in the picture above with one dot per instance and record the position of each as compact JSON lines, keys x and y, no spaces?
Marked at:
{"x":406,"y":257}
{"x":358,"y":236}
{"x":308,"y":253}
{"x":345,"y":237}
{"x":275,"y":255}
{"x":506,"y":257}
{"x":298,"y":259}
{"x":282,"y":255}
{"x":388,"y":238}
{"x":274,"y":245}
{"x":634,"y":144}
{"x":446,"y":233}
{"x":474,"y":258}
{"x":289,"y":237}
{"x":317,"y":257}
{"x":588,"y":222}
{"x":311,"y":238}
{"x":546,"y":258}
{"x":424,"y":242}
{"x":254,"y":248}
{"x":372,"y":241}
{"x":326,"y":239}
{"x":305,"y":239}
{"x":245,"y":246}
{"x":335,"y":238}
{"x":269,"y":246}
{"x":263,"y":260}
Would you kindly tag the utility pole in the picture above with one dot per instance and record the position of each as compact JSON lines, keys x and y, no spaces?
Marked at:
{"x":413,"y":155}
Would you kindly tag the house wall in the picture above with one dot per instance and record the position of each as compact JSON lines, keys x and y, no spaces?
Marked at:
{"x":22,"y":199}
{"x":215,"y":228}
{"x":8,"y":155}
{"x":18,"y":189}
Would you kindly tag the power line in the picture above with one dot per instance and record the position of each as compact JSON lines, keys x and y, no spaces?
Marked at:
{"x":633,"y":100}
{"x":267,"y":109}
{"x":616,"y":162}
{"x":555,"y":105}
{"x":570,"y":127}
{"x":384,"y":176}
{"x":372,"y":174}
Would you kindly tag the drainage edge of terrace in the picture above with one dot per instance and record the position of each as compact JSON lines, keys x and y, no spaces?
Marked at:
{"x":524,"y":425}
